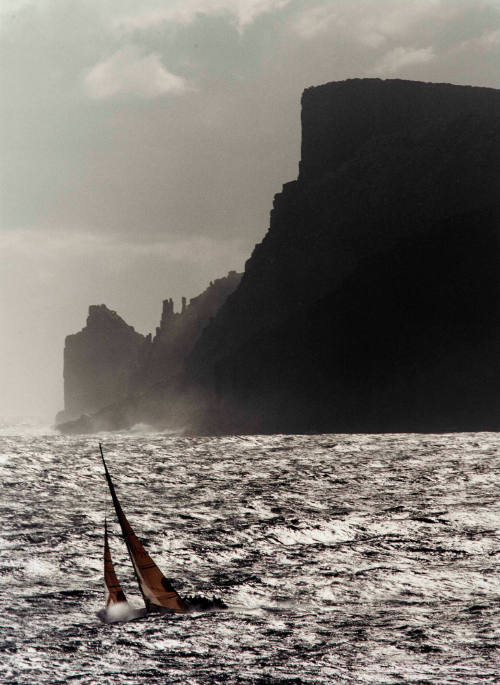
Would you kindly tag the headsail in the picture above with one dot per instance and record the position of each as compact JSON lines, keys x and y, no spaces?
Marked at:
{"x":156,"y":589}
{"x":115,"y":593}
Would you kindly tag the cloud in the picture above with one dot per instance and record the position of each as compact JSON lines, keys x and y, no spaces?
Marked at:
{"x":402,"y":17}
{"x":13,"y":6}
{"x":128,"y":72}
{"x":244,"y":12}
{"x":401,"y":57}
{"x":490,"y":40}
{"x":370,"y":22}
{"x":314,"y":21}
{"x":487,"y":41}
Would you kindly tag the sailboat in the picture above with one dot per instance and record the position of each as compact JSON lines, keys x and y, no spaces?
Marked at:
{"x":157,"y":591}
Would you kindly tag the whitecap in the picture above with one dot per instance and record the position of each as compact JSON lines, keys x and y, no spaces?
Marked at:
{"x":40,"y":569}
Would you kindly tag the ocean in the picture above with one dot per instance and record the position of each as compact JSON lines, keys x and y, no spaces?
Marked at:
{"x":342,"y":558}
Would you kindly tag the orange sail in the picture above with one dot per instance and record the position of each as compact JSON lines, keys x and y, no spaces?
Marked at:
{"x":156,"y":589}
{"x":113,"y":587}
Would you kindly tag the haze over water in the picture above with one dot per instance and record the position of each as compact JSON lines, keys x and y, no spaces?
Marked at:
{"x":343,"y":558}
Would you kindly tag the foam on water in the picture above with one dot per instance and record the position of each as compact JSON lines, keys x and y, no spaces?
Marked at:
{"x":38,"y":569}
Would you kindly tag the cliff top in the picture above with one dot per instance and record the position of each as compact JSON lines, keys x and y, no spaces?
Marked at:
{"x":99,"y":314}
{"x":340,"y":117}
{"x":102,"y":320}
{"x":388,"y":83}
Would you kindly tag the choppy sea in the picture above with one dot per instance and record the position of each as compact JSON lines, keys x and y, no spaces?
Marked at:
{"x":342,"y":558}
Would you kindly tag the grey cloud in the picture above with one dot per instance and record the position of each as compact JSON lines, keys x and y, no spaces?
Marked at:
{"x":242,"y":12}
{"x":128,"y":72}
{"x":400,"y":58}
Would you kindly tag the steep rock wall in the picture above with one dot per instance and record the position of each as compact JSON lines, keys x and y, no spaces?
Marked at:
{"x":99,"y":363}
{"x":121,"y":377}
{"x":162,"y":357}
{"x":384,"y":164}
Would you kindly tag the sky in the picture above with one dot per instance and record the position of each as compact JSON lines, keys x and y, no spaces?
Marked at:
{"x":142,"y":142}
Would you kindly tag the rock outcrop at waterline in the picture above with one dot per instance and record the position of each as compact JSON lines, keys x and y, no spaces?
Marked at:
{"x":373,"y":302}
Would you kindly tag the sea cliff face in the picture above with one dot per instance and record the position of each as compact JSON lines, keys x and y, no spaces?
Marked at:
{"x":115,"y":377}
{"x":99,"y":363}
{"x":372,"y":304}
{"x":162,"y":357}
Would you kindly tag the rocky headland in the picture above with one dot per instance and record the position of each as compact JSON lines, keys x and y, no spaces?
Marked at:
{"x":373,"y":301}
{"x":115,"y":377}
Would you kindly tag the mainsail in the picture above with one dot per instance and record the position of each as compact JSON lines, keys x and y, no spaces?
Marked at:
{"x":115,"y":593}
{"x":156,"y":589}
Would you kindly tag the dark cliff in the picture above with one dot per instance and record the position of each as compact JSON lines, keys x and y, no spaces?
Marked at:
{"x":120,"y":377}
{"x":99,"y":363}
{"x":373,"y":301}
{"x":162,"y":357}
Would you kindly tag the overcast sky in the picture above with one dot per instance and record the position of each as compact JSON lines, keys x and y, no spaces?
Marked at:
{"x":143,"y":141}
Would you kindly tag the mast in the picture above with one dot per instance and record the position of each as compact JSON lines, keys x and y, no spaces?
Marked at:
{"x":156,"y":590}
{"x":120,"y":514}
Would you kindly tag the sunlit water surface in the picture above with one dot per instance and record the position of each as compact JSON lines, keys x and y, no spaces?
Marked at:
{"x":343,"y":558}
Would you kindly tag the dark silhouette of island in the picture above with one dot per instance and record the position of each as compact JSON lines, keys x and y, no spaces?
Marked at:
{"x":373,"y":302}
